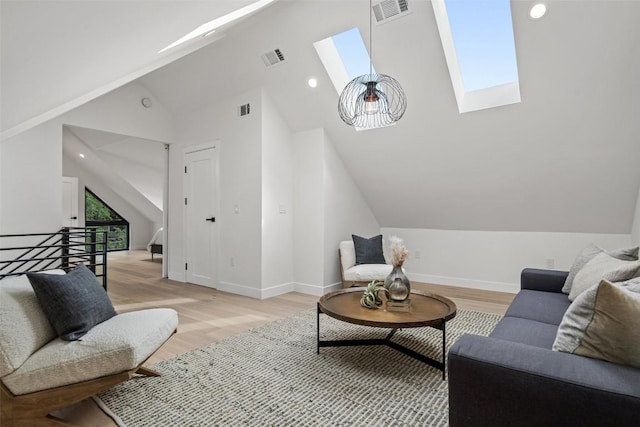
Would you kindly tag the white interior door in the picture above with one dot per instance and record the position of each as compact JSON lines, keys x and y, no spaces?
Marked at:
{"x":201,"y":207}
{"x":69,"y":201}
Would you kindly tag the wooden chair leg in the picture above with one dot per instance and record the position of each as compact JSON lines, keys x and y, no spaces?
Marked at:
{"x":148,"y":372}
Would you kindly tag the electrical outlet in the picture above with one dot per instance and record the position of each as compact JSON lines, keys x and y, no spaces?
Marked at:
{"x":236,"y":209}
{"x":550,"y":263}
{"x":416,"y":254}
{"x":232,"y":262}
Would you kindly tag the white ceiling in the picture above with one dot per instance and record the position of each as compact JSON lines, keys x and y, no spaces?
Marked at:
{"x":565,"y":159}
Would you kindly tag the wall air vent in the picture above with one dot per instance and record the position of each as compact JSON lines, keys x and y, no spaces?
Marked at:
{"x":244,"y":110}
{"x":387,"y":10}
{"x":273,"y":57}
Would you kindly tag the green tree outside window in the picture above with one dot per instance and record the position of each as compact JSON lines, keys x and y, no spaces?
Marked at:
{"x":101,"y":216}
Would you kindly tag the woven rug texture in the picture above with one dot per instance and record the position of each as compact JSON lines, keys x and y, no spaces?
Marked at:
{"x":272,"y":376}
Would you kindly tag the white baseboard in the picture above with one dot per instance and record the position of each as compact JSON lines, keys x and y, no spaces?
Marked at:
{"x":284,"y":288}
{"x":305,"y":288}
{"x":273,"y":291}
{"x":234,"y":288}
{"x":465,"y":283}
{"x":178,"y":277}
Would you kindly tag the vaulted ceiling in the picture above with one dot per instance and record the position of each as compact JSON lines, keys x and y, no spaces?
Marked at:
{"x":567,"y":158}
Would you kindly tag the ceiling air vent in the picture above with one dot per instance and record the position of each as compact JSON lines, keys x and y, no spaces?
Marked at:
{"x":244,"y":110}
{"x":273,"y":57}
{"x":387,"y":10}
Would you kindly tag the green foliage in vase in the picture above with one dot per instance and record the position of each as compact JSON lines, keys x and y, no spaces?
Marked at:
{"x":371,"y":298}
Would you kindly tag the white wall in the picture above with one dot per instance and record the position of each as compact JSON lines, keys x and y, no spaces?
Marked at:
{"x":328,"y":209}
{"x":140,"y":227}
{"x":240,"y":175}
{"x":144,"y":178}
{"x":308,"y":208}
{"x":121,"y":112}
{"x":30,"y":181}
{"x":277,"y":202}
{"x":346,"y":212}
{"x":491,"y":260}
{"x":30,"y":177}
{"x":635,"y":232}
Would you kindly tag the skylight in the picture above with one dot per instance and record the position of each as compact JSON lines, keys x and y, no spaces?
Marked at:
{"x":477,"y":38}
{"x":344,"y":56}
{"x":210,"y":27}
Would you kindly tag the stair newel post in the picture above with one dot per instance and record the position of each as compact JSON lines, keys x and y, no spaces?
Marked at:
{"x":64,"y":258}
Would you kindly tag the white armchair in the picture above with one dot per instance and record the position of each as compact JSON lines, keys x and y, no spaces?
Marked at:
{"x":353,"y":274}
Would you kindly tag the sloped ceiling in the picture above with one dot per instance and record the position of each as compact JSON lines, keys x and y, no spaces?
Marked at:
{"x":566,"y":159}
{"x":112,"y":170}
{"x":57,"y":55}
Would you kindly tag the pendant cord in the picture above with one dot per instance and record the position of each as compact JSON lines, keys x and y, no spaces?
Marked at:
{"x":370,"y":41}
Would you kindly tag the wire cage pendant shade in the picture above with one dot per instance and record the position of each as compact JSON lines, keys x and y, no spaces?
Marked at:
{"x":371,"y":101}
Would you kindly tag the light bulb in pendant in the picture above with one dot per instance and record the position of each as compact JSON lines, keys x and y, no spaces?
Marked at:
{"x":371,"y":107}
{"x":371,"y":99}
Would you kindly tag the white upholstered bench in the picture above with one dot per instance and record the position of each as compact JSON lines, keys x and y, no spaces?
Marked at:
{"x":353,"y":274}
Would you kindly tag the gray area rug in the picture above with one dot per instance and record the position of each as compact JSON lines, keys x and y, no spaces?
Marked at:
{"x":272,"y":376}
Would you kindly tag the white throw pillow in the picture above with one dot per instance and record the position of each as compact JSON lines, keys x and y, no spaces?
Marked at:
{"x":590,"y":251}
{"x":602,"y":266}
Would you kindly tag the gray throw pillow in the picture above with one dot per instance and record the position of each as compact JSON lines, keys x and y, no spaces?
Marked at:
{"x":604,"y":323}
{"x":591,"y":251}
{"x":602,"y":266}
{"x":74,"y":303}
{"x":368,"y":251}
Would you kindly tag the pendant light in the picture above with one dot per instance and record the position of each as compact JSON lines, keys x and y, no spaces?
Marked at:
{"x":372,"y":100}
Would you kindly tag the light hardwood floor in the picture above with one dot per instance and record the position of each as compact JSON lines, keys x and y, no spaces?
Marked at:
{"x":208,"y":315}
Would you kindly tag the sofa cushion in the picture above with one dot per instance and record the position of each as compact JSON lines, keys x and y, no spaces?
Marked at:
{"x":545,"y":307}
{"x":368,"y":251}
{"x":120,"y":344}
{"x":24,"y":327}
{"x":525,"y":331}
{"x":604,"y":323}
{"x":74,"y":303}
{"x":630,"y":254}
{"x":367,"y":272}
{"x":602,"y":266}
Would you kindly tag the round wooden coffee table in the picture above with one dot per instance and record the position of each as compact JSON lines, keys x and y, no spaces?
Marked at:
{"x":427,"y":310}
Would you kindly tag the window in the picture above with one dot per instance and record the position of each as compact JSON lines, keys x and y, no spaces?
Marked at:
{"x":100,"y":215}
{"x":477,"y":38}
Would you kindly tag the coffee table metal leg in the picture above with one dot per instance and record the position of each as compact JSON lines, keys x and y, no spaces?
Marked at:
{"x":318,"y":330}
{"x":387,"y":341}
{"x":444,"y":351}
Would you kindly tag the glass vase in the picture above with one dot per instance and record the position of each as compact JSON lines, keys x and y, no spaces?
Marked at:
{"x":397,"y":285}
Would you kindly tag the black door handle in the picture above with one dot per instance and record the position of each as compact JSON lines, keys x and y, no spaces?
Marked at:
{"x":212,"y":219}
{"x":74,"y":217}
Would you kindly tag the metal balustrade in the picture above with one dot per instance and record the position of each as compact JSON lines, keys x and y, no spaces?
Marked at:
{"x":62,"y":249}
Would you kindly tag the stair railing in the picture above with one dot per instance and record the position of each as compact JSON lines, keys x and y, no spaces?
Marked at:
{"x":62,"y":249}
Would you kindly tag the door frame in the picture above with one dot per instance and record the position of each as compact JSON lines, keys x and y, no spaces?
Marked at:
{"x":188,"y":150}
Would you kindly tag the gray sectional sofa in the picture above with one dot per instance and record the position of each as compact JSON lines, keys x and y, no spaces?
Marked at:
{"x":513,"y":378}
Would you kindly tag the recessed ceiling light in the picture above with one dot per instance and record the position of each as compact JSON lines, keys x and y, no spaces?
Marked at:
{"x":537,"y":11}
{"x":81,"y":155}
{"x":313,"y":82}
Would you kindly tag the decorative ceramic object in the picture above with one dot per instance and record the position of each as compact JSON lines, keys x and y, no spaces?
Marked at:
{"x":398,"y":285}
{"x":398,"y":291}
